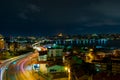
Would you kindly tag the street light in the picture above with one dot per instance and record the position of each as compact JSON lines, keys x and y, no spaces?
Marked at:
{"x":68,"y":72}
{"x":66,"y":68}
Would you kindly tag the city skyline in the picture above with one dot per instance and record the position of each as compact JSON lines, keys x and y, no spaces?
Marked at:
{"x":46,"y":17}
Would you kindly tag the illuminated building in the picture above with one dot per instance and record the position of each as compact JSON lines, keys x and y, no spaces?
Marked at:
{"x":12,"y":47}
{"x":2,"y":42}
{"x":55,"y":53}
{"x":82,"y":42}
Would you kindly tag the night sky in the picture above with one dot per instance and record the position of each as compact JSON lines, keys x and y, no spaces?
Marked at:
{"x":49,"y":17}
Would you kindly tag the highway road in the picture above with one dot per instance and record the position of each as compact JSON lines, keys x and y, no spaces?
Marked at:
{"x":16,"y":68}
{"x":4,"y":64}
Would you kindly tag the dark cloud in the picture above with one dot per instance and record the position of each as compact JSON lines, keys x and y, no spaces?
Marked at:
{"x":52,"y":16}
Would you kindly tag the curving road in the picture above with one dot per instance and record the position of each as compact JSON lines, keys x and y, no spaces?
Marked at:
{"x":17,"y":69}
{"x":4,"y":64}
